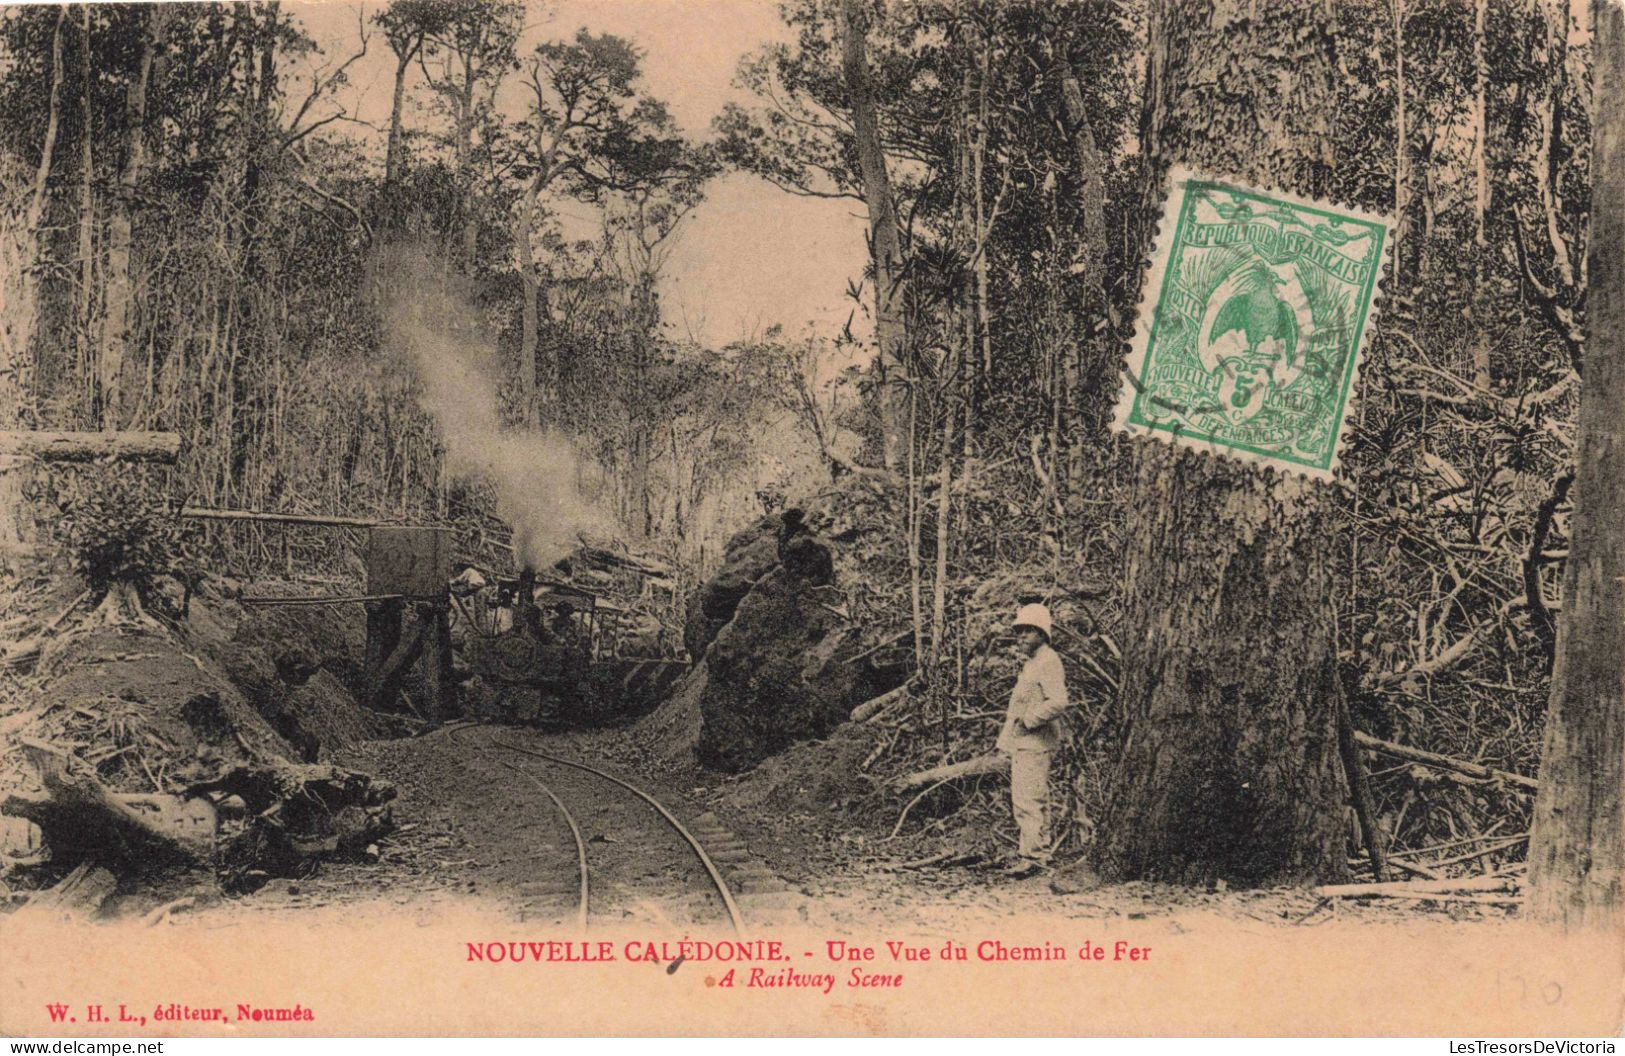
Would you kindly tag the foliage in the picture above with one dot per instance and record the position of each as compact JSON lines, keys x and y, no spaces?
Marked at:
{"x":120,"y":528}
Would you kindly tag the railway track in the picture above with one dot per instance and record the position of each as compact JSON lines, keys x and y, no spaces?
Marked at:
{"x":584,"y":871}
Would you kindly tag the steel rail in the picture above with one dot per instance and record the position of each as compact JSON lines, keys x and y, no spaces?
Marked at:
{"x":564,"y":812}
{"x":682,"y":830}
{"x":575,"y":831}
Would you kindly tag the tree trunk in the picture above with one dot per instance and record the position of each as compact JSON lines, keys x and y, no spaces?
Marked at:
{"x":978,"y":152}
{"x":525,"y":374}
{"x":939,"y":580}
{"x":120,"y":279}
{"x":1230,"y":682}
{"x":393,"y":156}
{"x":464,"y":156}
{"x":87,"y":219}
{"x":885,"y":250}
{"x":1402,"y":154}
{"x":1577,"y":844}
{"x":1481,"y":194}
{"x":1089,"y":178}
{"x":19,"y":290}
{"x":42,"y":174}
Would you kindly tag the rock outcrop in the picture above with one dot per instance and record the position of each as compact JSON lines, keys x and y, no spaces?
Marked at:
{"x":780,"y":660}
{"x":749,"y":555}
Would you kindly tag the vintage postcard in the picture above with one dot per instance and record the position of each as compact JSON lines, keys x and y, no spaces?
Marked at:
{"x":746,"y":518}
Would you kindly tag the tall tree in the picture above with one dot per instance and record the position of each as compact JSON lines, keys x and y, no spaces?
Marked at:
{"x":119,"y":330}
{"x":1089,"y":176}
{"x":1230,"y":679}
{"x":581,"y":106}
{"x":19,"y":258}
{"x":1577,"y":845}
{"x":1402,"y":150}
{"x":892,"y":375}
{"x":407,"y":25}
{"x":643,"y":214}
{"x":1480,"y":336}
{"x":472,"y":50}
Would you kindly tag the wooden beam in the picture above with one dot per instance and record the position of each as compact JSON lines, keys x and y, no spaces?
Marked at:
{"x":90,"y":447}
{"x":333,"y":599}
{"x":437,"y":661}
{"x":205,"y":513}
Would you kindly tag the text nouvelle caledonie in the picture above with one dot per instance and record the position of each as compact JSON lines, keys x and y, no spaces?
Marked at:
{"x":759,"y":952}
{"x":555,"y":951}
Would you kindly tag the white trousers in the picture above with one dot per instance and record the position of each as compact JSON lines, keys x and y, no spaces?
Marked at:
{"x":1029,"y":799}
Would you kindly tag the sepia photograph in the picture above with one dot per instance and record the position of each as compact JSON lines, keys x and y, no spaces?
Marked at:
{"x":532,"y":518}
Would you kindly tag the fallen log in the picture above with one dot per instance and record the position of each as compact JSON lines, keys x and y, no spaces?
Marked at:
{"x":1423,"y":871}
{"x":262,"y":786}
{"x":1444,"y":762}
{"x":875,"y":705}
{"x":994,"y":763}
{"x":81,"y":819}
{"x":79,"y":894}
{"x":1415,"y":888}
{"x":90,"y":447}
{"x":301,"y":811}
{"x":1488,"y":900}
{"x":1494,"y":848}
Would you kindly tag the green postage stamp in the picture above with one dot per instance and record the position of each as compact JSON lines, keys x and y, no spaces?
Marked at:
{"x":1250,"y":330}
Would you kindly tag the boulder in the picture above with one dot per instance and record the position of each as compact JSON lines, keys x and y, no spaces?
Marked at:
{"x":749,"y":556}
{"x":780,"y":672}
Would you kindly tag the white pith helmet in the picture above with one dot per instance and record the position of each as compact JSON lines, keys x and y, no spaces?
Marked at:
{"x":1035,"y":616}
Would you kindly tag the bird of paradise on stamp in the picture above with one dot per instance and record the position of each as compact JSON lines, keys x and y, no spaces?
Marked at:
{"x":1251,"y":327}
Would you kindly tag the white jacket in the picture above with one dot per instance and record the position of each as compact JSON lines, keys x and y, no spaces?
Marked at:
{"x":1038,"y":699}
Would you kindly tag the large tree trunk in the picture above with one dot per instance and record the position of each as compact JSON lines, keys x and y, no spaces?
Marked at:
{"x":1230,"y":680}
{"x":1577,"y":846}
{"x":885,"y":248}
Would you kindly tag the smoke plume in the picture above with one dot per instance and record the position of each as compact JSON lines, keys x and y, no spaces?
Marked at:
{"x":430,"y":318}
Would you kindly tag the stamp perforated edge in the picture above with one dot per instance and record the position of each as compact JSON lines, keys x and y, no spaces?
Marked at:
{"x":1150,"y":293}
